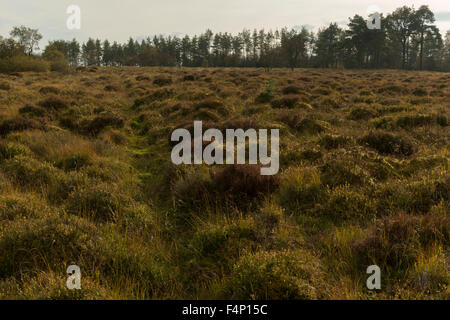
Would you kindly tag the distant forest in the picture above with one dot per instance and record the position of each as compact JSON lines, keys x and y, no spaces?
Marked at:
{"x":408,"y":39}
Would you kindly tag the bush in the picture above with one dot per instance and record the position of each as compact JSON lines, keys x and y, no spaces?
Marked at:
{"x":211,"y":104}
{"x":11,"y":149}
{"x":142,"y":78}
{"x":64,"y":185}
{"x":285,"y":102}
{"x":243,"y":183}
{"x":333,"y":142}
{"x":97,"y":202}
{"x":268,"y":94}
{"x":386,"y":143}
{"x":291,"y":90}
{"x":54,"y":103}
{"x":360,"y":113}
{"x":343,"y":203}
{"x":311,"y":155}
{"x":47,"y":90}
{"x":304,"y":125}
{"x":192,"y":192}
{"x":111,"y":88}
{"x":29,"y":172}
{"x":322,"y":91}
{"x":189,"y":77}
{"x":420,"y":92}
{"x":23,"y":64}
{"x":48,"y":285}
{"x":264,"y":97}
{"x":423,"y":195}
{"x":340,"y":172}
{"x":18,"y":206}
{"x":412,"y":121}
{"x":267,"y":222}
{"x":233,"y":185}
{"x":57,"y":60}
{"x":214,"y":248}
{"x":162,"y":81}
{"x":310,"y":126}
{"x":393,"y":89}
{"x":32,"y":110}
{"x":74,"y":162}
{"x":24,"y":246}
{"x":394,"y":243}
{"x":95,"y":126}
{"x":284,"y":275}
{"x":442,"y":120}
{"x":61,"y":66}
{"x":301,"y":190}
{"x":157,"y":95}
{"x":5,"y":86}
{"x":17,"y":124}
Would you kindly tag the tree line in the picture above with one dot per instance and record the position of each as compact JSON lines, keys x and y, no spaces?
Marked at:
{"x":407,"y":39}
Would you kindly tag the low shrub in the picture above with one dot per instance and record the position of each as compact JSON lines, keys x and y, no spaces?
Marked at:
{"x":160,"y":81}
{"x":341,"y":172}
{"x":17,"y":124}
{"x":5,"y":86}
{"x":74,"y":162}
{"x":394,"y":243}
{"x":291,"y":90}
{"x":9,"y":150}
{"x":213,"y":249}
{"x":330,"y":142}
{"x":60,"y":65}
{"x":111,"y":88}
{"x":301,"y":190}
{"x":57,"y":60}
{"x":158,"y":95}
{"x":98,"y":202}
{"x":142,"y":78}
{"x":264,"y":97}
{"x":386,"y":143}
{"x":271,"y":275}
{"x":54,"y":103}
{"x":304,"y":125}
{"x":343,"y":204}
{"x":192,"y":192}
{"x":32,"y":110}
{"x":423,"y":195}
{"x":23,"y":64}
{"x":99,"y":123}
{"x":412,"y":121}
{"x":189,"y":77}
{"x":48,"y":285}
{"x":393,"y":89}
{"x":17,"y":206}
{"x":421,"y":92}
{"x":27,"y":246}
{"x":310,"y":126}
{"x":322,"y":91}
{"x":211,"y":104}
{"x":360,"y":113}
{"x":27,"y":172}
{"x":285,"y":102}
{"x":243,"y":183}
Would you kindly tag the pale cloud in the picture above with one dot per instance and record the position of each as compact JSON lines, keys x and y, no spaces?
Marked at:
{"x":117,"y":20}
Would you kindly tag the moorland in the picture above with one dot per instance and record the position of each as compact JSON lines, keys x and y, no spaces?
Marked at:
{"x":86,"y":178}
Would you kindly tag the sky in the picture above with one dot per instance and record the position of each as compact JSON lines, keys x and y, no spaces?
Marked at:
{"x":117,"y":20}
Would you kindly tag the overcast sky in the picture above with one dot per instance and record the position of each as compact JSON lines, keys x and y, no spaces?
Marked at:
{"x":118,"y":20}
